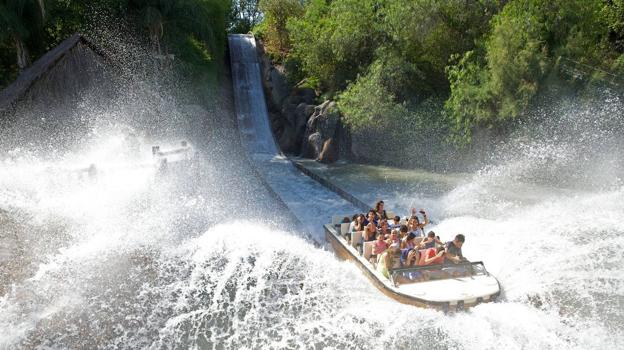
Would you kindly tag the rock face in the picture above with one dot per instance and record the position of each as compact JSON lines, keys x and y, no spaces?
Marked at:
{"x":299,"y":126}
{"x":324,"y":134}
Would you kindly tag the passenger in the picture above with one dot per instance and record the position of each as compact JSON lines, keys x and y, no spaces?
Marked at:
{"x":357,"y":224}
{"x":383,"y":227}
{"x":409,"y":257}
{"x":379,"y":247}
{"x":396,"y":222}
{"x":380,"y":212}
{"x":408,"y":241}
{"x":414,"y":225}
{"x":403,"y":232}
{"x":394,"y":237}
{"x":352,"y":226}
{"x":371,"y":217}
{"x":431,"y":256}
{"x":388,"y":260}
{"x":370,"y":232}
{"x":430,"y":241}
{"x":453,"y":250}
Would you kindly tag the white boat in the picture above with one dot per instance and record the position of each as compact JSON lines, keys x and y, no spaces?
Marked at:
{"x":446,"y":287}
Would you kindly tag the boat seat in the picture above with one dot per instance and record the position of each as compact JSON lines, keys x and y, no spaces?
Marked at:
{"x":368,"y":250}
{"x":344,"y":228}
{"x":355,"y":238}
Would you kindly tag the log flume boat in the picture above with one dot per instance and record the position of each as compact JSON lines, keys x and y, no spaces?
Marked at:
{"x":445,"y":287}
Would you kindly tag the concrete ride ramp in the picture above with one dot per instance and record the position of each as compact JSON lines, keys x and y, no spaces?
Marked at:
{"x":310,"y":202}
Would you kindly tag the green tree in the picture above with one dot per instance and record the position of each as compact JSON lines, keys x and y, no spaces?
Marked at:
{"x":244,"y":15}
{"x":496,"y":82}
{"x":276,"y":15}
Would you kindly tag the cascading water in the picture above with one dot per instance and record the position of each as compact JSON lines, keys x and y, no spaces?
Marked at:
{"x":211,"y":260}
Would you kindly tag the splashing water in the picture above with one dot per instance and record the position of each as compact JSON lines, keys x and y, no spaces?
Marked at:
{"x":129,"y":259}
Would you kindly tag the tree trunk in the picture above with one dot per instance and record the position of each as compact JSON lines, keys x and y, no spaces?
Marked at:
{"x":23,"y":58}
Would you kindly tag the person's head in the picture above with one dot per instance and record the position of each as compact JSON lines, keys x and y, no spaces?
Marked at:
{"x":381,"y":236}
{"x":346,"y":220}
{"x":431,"y":234}
{"x":403,"y":229}
{"x":440,"y":249}
{"x":396,"y":219}
{"x":412,"y":257}
{"x":379,"y":207}
{"x":410,"y":236}
{"x":371,"y":215}
{"x":413,"y":221}
{"x":383,"y":223}
{"x":355,"y":217}
{"x":361,"y":218}
{"x":459,"y":240}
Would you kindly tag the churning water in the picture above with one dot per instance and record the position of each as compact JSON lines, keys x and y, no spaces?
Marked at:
{"x":210,"y":259}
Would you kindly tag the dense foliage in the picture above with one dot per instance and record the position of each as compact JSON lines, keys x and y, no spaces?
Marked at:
{"x":469,"y":63}
{"x":191,"y":30}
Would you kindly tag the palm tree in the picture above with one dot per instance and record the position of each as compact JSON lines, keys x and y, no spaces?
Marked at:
{"x":17,"y":18}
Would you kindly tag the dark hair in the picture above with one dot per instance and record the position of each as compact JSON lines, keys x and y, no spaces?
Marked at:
{"x":378,"y":204}
{"x":403,"y":228}
{"x":346,"y":220}
{"x":440,"y":248}
{"x":397,"y":218}
{"x":371,"y":211}
{"x":431,"y":234}
{"x":411,"y":235}
{"x":460,"y":238}
{"x":355,"y":217}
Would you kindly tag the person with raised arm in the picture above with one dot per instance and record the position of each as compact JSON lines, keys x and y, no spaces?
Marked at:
{"x":415,"y":225}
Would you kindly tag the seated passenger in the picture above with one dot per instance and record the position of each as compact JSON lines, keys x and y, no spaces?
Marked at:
{"x":379,"y":247}
{"x":453,"y":250}
{"x":371,"y":217}
{"x":403,"y":231}
{"x":394,"y":237}
{"x":380,"y":212}
{"x":352,"y":225}
{"x":388,"y":260}
{"x":414,"y":224}
{"x":430,"y":241}
{"x":409,"y":257}
{"x":396,"y":222}
{"x":370,"y":232}
{"x":383,"y":227}
{"x":408,"y":241}
{"x":431,"y":256}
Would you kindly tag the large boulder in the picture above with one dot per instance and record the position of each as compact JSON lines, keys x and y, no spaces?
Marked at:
{"x":329,"y":152}
{"x":277,"y":85}
{"x":323,"y":126}
{"x":313,"y":145}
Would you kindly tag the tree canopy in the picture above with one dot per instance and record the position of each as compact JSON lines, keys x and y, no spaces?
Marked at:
{"x":486,"y":60}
